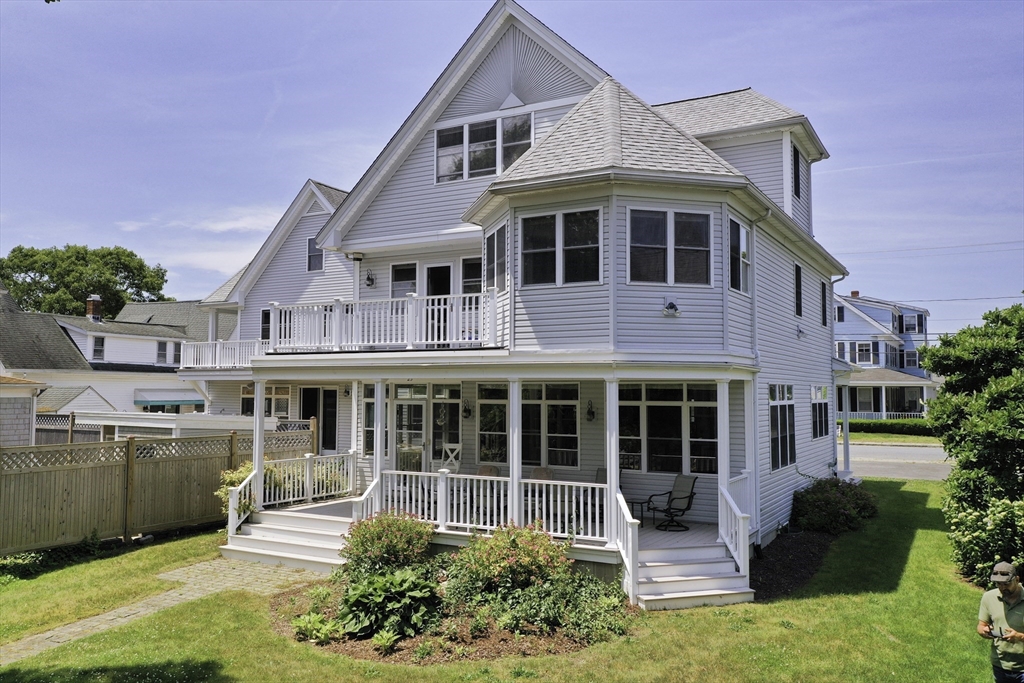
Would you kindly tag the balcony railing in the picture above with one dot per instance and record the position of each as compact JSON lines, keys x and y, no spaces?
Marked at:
{"x":414,"y":322}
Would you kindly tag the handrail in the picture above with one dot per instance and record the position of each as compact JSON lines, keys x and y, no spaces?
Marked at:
{"x":365,"y":506}
{"x":734,"y":526}
{"x":628,"y":541}
{"x":237,"y":512}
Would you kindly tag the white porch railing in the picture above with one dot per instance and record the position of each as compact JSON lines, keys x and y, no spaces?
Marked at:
{"x":414,"y":493}
{"x":565,"y":508}
{"x":475,"y":502}
{"x":734,"y":527}
{"x":307,"y":478}
{"x":241,"y":502}
{"x":883,"y":416}
{"x":627,"y":539}
{"x":365,"y":506}
{"x":739,"y":489}
{"x":222,"y":354}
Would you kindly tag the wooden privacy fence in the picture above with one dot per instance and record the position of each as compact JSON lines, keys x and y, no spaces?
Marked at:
{"x":59,"y":494}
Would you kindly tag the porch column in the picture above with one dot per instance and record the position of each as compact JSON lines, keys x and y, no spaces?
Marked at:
{"x":846,"y":434}
{"x":515,"y":450}
{"x":379,"y":406}
{"x":257,"y":439}
{"x":611,"y":439}
{"x":883,"y":402}
{"x":723,"y":447}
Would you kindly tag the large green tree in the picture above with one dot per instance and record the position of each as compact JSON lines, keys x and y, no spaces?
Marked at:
{"x":58,"y":280}
{"x":979,"y":416}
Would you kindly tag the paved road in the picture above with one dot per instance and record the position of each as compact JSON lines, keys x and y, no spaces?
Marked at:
{"x":898,"y":462}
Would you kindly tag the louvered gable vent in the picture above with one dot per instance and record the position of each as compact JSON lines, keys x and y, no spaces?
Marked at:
{"x":517,"y":71}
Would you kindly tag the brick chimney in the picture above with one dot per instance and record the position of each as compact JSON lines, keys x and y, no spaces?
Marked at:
{"x":855,"y":293}
{"x":94,"y":307}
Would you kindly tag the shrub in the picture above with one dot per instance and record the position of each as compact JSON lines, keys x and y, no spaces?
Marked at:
{"x":231,"y":479}
{"x":389,"y":541}
{"x":913,"y":426}
{"x":315,"y":627}
{"x":832,"y":506}
{"x":512,"y":559}
{"x":402,"y":602}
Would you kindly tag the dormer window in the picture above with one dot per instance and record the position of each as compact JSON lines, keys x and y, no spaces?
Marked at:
{"x":480,"y":142}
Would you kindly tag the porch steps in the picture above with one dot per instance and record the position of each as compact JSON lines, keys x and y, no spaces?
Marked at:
{"x":294,"y":539}
{"x":678,"y":578}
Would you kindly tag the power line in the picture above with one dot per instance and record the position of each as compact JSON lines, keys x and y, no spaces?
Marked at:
{"x":980,"y":298}
{"x":951,"y":246}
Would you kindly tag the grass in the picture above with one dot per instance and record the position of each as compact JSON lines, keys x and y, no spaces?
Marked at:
{"x":85,"y":589}
{"x":894,"y":439}
{"x":886,"y":605}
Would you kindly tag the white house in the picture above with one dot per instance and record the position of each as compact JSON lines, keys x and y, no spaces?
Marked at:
{"x":546,"y":299}
{"x":884,"y":340}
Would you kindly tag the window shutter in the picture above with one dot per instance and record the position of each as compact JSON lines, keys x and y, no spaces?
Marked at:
{"x":874,"y":353}
{"x":920,"y":323}
{"x":876,"y":399}
{"x":842,"y":350}
{"x":901,"y":324}
{"x":840,"y":314}
{"x":903,"y":357}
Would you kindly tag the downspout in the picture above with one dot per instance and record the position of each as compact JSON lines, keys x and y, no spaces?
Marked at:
{"x":835,"y":390}
{"x":757,"y":363}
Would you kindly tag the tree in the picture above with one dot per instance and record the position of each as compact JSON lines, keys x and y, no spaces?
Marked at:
{"x":979,"y":417}
{"x":56,"y":280}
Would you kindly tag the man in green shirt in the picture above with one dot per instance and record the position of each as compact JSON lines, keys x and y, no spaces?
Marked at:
{"x":1001,"y":619}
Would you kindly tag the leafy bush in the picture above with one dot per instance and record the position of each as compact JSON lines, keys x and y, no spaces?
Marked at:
{"x":832,"y":506}
{"x":402,"y":602}
{"x":315,"y":627}
{"x":230,"y":479}
{"x":389,"y":541}
{"x":512,"y":559}
{"x":913,"y":426}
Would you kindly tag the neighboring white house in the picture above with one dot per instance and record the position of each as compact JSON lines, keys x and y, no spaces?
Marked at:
{"x":884,"y":339}
{"x":564,"y":297}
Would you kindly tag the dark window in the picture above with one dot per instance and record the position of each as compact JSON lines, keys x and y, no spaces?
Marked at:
{"x":314,"y":256}
{"x":841,"y":350}
{"x":161,"y":352}
{"x":739,"y":257}
{"x":798,"y":289}
{"x":98,"y":345}
{"x":664,"y":439}
{"x":483,"y":141}
{"x":581,"y":251}
{"x":495,"y":257}
{"x":471,"y":276}
{"x":648,"y":246}
{"x":692,"y":249}
{"x":824,"y":304}
{"x":515,"y":138}
{"x":539,"y":250}
{"x":840,"y":314}
{"x":449,"y":154}
{"x":783,"y":425}
{"x":264,"y":324}
{"x":403,"y":280}
{"x":796,"y":172}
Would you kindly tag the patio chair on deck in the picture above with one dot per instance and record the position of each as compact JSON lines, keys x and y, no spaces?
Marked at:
{"x":677,"y":502}
{"x":542,"y":474}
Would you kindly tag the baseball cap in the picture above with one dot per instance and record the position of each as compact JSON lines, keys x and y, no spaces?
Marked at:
{"x":1003,"y":572}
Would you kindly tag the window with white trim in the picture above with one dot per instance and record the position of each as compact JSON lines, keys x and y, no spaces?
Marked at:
{"x":840,"y":314}
{"x":911,"y":359}
{"x":369,"y":408}
{"x":276,"y":401}
{"x":161,"y":352}
{"x":819,"y":411}
{"x":403,"y":280}
{"x":681,"y":255}
{"x":909,"y":324}
{"x":177,"y":353}
{"x":782,"y":411}
{"x":495,"y":258}
{"x":472,"y":280}
{"x":551,"y":425}
{"x":314,"y":256}
{"x":561,"y":248}
{"x":98,"y":346}
{"x":841,"y":350}
{"x":739,"y":257}
{"x":668,"y":428}
{"x":264,"y":324}
{"x":480,"y":142}
{"x":492,"y":422}
{"x":863,"y":352}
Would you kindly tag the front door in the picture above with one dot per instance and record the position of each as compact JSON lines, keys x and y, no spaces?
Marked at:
{"x":409,"y":435}
{"x":323,"y":405}
{"x":439,"y":284}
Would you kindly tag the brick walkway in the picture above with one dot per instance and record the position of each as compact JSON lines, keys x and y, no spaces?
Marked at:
{"x":199,"y":581}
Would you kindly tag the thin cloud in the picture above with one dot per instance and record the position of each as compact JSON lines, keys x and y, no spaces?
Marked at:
{"x":915,"y":162}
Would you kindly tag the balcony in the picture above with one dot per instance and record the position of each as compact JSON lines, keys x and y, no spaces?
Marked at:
{"x":414,"y":322}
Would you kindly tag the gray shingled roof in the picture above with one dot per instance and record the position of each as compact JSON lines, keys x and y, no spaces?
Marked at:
{"x":55,"y":398}
{"x":611,"y":128}
{"x":726,"y":111}
{"x":116,"y":327}
{"x":887,"y":376}
{"x":222,"y":293}
{"x":332,"y":194}
{"x":180,"y":314}
{"x":34,"y":341}
{"x":7,"y":302}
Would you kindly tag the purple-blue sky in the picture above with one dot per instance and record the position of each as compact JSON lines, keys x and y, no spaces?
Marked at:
{"x":182,"y":130}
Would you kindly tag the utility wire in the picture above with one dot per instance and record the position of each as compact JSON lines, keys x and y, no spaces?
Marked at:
{"x":980,"y":298}
{"x":951,"y":246}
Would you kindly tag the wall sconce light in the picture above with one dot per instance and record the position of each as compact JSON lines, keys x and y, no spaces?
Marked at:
{"x":347,"y":392}
{"x":800,"y":334}
{"x":671,"y":310}
{"x":590,"y":411}
{"x":371,"y":281}
{"x":467,"y":410}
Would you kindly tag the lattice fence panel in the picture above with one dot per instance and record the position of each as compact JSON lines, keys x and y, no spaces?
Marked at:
{"x":53,"y":421}
{"x":179,"y":448}
{"x":287,"y":441}
{"x":59,"y":455}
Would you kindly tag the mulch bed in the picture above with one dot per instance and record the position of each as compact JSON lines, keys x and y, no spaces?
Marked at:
{"x":787,"y":564}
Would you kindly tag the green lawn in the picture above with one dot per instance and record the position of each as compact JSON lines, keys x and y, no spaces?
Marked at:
{"x":886,"y":606}
{"x":895,"y":439}
{"x":83,"y":590}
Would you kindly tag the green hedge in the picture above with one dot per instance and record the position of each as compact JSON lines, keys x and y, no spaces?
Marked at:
{"x":917,"y":427}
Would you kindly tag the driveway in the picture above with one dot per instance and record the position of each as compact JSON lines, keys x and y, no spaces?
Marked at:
{"x":898,"y":462}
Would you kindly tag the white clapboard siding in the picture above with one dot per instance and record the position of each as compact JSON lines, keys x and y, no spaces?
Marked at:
{"x":802,"y":205}
{"x":225,"y":397}
{"x":759,"y":161}
{"x":785,"y":359}
{"x":286,"y":280}
{"x":741,"y":322}
{"x":737,"y":431}
{"x":130,"y":350}
{"x":81,"y":340}
{"x":640,"y":323}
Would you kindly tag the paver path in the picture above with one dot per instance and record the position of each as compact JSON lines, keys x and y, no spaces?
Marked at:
{"x":199,"y":581}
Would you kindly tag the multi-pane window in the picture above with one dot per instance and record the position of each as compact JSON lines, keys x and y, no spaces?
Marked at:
{"x":369,"y":412}
{"x":495,"y":250}
{"x":161,"y":352}
{"x":782,"y":410}
{"x":276,"y":401}
{"x":551,"y":425}
{"x":909,"y":324}
{"x":819,"y":412}
{"x":472,"y":279}
{"x":492,"y":407}
{"x":446,"y":419}
{"x":403,"y":280}
{"x":98,"y":346}
{"x":668,"y":428}
{"x":681,"y":255}
{"x":480,"y":142}
{"x":314,"y":255}
{"x":265,"y":323}
{"x":863,"y":352}
{"x":739,"y":257}
{"x":798,"y":289}
{"x":562,"y":248}
{"x":824,"y":304}
{"x":840,"y":314}
{"x":911,"y":359}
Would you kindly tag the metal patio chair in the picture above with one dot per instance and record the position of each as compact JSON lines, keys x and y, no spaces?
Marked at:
{"x":677,"y":502}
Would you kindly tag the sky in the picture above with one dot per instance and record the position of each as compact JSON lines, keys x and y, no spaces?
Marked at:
{"x":182,"y":130}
